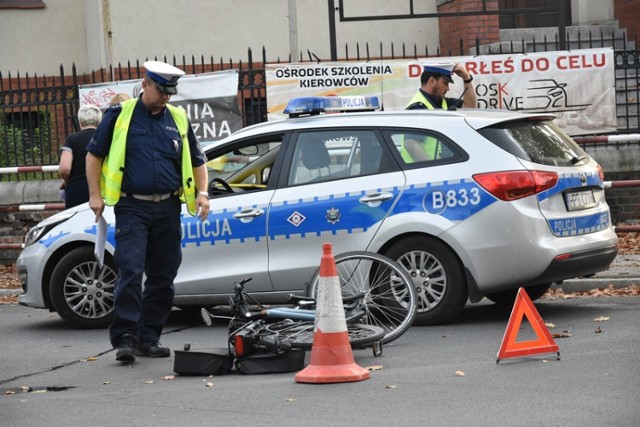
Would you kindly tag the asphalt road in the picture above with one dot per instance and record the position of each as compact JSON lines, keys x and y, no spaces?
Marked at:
{"x":596,"y":381}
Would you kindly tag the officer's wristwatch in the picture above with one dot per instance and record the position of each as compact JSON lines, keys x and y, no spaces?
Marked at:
{"x":470,"y":79}
{"x":203,"y":193}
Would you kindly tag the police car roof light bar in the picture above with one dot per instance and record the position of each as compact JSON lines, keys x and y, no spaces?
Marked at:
{"x":313,"y":105}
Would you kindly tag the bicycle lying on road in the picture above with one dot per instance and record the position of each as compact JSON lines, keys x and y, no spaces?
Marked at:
{"x":254,"y":327}
{"x":378,"y":297}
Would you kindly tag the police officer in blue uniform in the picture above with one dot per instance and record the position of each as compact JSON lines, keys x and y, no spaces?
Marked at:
{"x":145,"y":134}
{"x":434,"y":84}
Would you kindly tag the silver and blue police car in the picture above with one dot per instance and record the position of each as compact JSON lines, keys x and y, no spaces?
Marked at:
{"x":473,"y":203}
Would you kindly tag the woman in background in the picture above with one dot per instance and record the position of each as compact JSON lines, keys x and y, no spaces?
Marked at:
{"x":73,"y":154}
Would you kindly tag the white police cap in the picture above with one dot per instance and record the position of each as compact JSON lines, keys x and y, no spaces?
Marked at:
{"x":444,"y":70}
{"x":165,"y":75}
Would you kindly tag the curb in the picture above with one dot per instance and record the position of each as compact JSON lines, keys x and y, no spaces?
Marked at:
{"x":10,"y":292}
{"x":582,"y":285}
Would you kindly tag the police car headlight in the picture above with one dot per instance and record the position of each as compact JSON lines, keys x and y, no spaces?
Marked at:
{"x":35,"y":233}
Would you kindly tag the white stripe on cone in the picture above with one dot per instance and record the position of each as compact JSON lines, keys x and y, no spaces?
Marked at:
{"x":330,"y":316}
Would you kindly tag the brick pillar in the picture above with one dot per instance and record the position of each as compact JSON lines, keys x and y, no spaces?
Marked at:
{"x":627,"y":13}
{"x":466,"y":28}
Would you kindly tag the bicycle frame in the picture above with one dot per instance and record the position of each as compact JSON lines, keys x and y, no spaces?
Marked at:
{"x":238,"y":304}
{"x":245,"y":323}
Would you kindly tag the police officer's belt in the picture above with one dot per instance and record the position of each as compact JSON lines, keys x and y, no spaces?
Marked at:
{"x":151,"y":197}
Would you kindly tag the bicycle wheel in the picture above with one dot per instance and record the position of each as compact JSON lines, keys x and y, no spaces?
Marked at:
{"x":389,"y":299}
{"x":300,"y":333}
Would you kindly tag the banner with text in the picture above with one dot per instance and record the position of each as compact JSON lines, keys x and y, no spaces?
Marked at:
{"x":210,"y":100}
{"x":578,"y":87}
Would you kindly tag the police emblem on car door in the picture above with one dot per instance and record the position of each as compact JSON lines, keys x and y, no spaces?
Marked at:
{"x":339,"y":188}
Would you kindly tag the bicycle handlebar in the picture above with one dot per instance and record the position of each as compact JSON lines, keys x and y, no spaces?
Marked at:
{"x":239,"y":286}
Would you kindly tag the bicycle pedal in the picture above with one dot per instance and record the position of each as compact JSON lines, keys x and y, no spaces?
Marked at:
{"x":377,"y":348}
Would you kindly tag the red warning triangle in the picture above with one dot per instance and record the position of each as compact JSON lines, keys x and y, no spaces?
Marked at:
{"x":512,"y":348}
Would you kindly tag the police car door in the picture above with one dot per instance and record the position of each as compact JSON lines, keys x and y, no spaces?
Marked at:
{"x":231,"y":244}
{"x":338,"y":188}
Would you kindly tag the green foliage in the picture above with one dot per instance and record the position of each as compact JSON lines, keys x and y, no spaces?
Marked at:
{"x":10,"y":144}
{"x":19,"y":148}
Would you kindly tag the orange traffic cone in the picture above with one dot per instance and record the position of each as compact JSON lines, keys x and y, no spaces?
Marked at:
{"x":331,"y":356}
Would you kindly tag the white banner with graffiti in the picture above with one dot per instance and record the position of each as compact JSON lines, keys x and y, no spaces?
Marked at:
{"x":210,"y":100}
{"x":576,"y":86}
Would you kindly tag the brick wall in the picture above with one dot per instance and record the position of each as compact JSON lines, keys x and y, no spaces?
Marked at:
{"x":627,"y":12}
{"x":466,"y":28}
{"x":623,"y":202}
{"x":13,"y":229}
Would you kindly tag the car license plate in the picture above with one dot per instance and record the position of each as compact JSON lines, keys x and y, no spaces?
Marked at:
{"x":577,"y":200}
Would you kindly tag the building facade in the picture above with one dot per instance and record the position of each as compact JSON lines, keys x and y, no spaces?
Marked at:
{"x":38,"y":35}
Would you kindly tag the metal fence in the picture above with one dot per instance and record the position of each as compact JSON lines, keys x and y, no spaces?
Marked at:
{"x":38,"y":112}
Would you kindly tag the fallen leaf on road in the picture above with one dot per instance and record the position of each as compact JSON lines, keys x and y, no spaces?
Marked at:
{"x":149,"y":382}
{"x":106,"y":382}
{"x":601,"y":319}
{"x":598,"y":330}
{"x":168,"y":377}
{"x":550,"y":325}
{"x":564,"y":334}
{"x":9,"y":393}
{"x":209,"y":384}
{"x":373,"y":368}
{"x":91,"y":359}
{"x":390,"y":386}
{"x":459,"y":374}
{"x":289,"y":399}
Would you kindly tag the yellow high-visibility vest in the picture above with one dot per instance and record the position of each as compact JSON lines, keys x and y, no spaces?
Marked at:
{"x":113,"y":164}
{"x":429,"y":145}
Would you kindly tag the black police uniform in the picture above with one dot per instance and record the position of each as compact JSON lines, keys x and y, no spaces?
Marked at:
{"x":148,"y":232}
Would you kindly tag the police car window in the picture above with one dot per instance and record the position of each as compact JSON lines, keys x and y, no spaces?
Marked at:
{"x":422,"y":147}
{"x":542,"y":142}
{"x":335,"y":154}
{"x":247,"y":167}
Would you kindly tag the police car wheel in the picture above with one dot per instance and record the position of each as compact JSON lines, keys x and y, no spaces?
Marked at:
{"x":508,"y":297}
{"x":438,"y":276}
{"x":81,"y":292}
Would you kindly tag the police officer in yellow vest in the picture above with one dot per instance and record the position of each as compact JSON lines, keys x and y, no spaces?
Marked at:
{"x":434,"y":84}
{"x":144,"y":159}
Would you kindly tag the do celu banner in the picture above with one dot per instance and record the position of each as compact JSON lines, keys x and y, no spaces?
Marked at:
{"x":578,"y":87}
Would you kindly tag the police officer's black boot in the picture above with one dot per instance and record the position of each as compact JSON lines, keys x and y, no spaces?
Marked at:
{"x":152,"y":349}
{"x":126,"y":349}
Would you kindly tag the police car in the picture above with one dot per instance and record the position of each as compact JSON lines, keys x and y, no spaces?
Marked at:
{"x":495,"y":201}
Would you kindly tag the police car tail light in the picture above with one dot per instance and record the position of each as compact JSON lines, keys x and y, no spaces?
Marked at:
{"x":514,"y":185}
{"x":600,"y":171}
